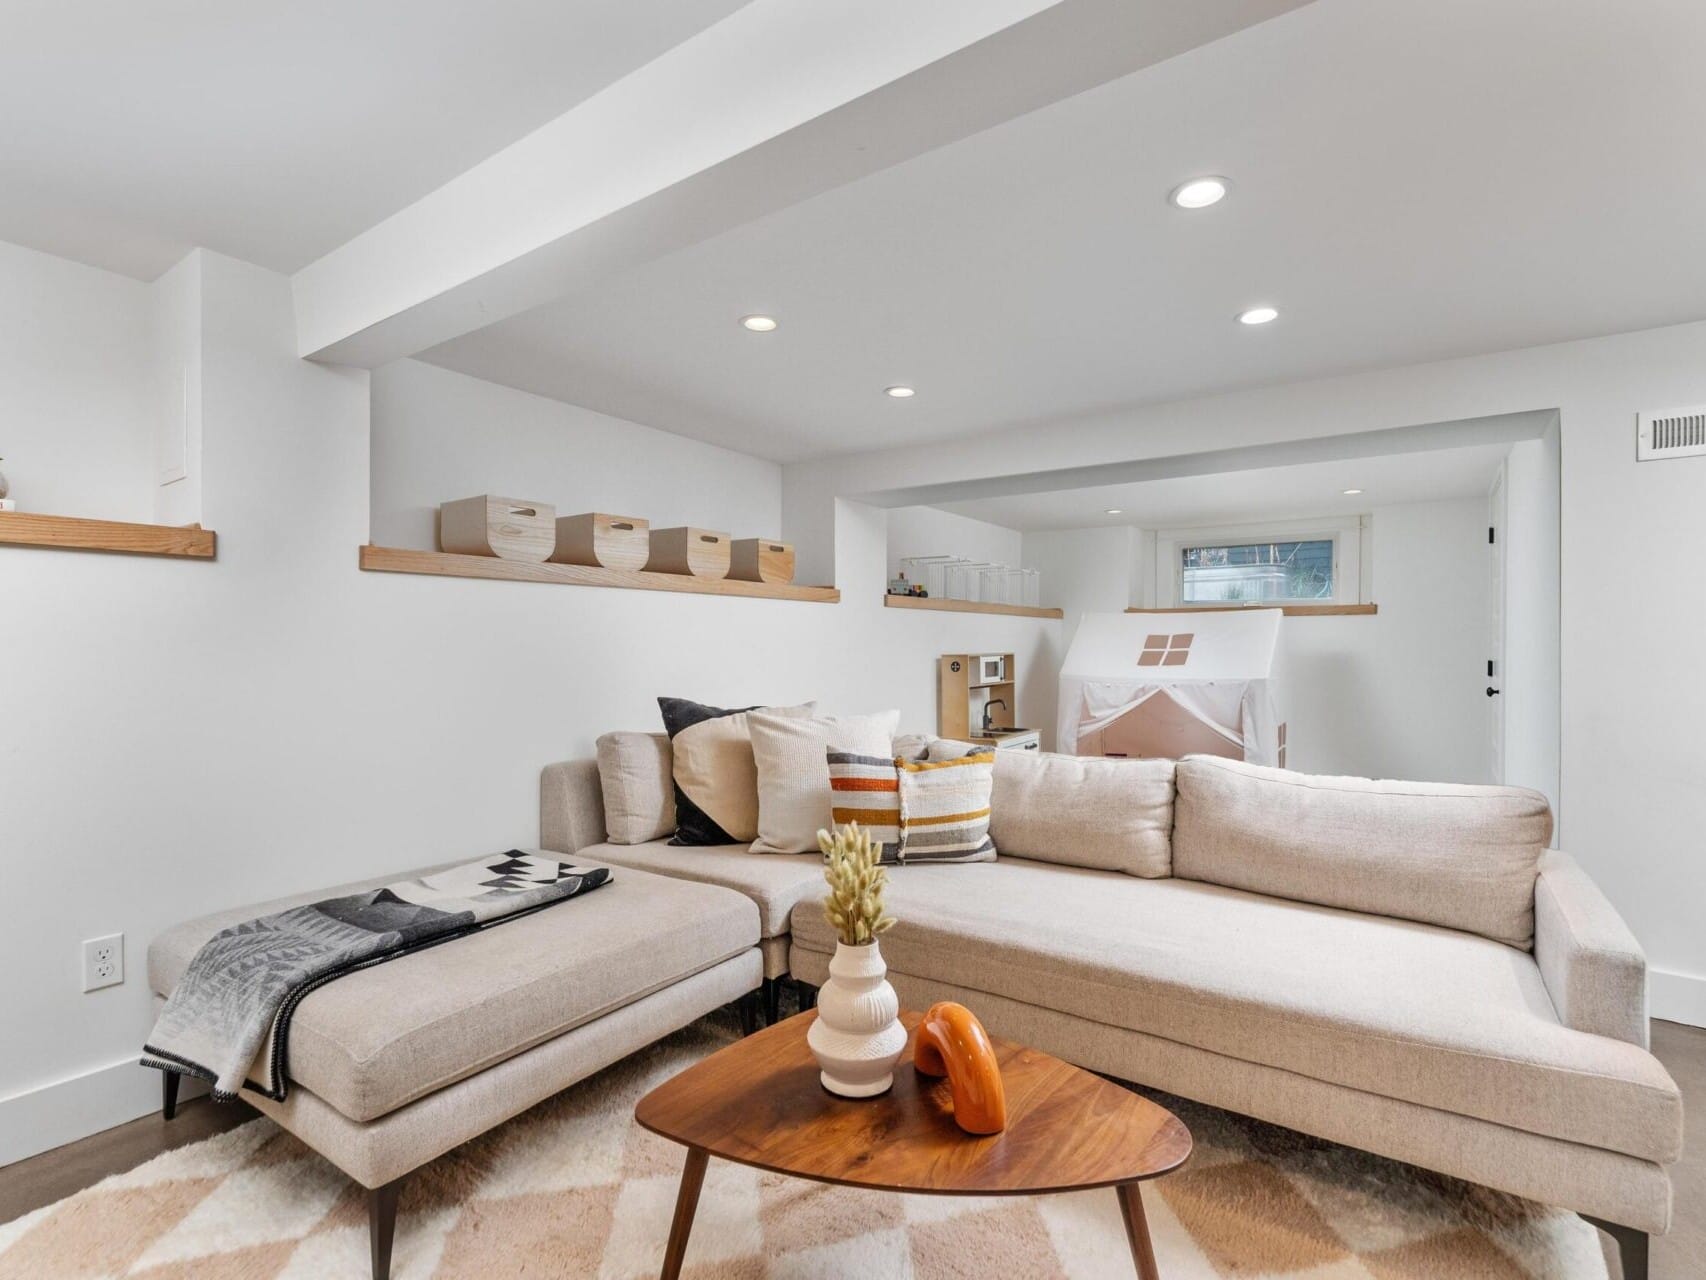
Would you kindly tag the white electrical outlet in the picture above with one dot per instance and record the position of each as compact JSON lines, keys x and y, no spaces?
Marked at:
{"x":103,"y":962}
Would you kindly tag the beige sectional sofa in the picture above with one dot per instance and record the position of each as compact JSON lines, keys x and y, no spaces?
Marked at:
{"x":394,"y":1065}
{"x":1403,"y":968}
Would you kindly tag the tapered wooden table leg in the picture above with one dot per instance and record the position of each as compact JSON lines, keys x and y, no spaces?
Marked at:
{"x":1137,"y":1230}
{"x":686,"y":1201}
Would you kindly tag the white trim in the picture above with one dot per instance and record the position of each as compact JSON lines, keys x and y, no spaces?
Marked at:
{"x":50,"y":1115}
{"x":1352,"y":557}
{"x":1677,"y":997}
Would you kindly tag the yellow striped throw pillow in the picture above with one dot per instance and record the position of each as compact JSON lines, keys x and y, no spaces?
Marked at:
{"x":866,"y":790}
{"x":944,"y":809}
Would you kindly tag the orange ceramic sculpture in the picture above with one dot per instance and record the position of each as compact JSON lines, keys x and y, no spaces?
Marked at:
{"x":952,"y":1042}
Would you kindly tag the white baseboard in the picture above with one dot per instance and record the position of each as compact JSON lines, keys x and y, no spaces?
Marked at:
{"x":50,"y":1115}
{"x":1677,"y":997}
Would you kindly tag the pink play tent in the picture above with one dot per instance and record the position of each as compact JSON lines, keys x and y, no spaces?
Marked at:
{"x":1173,"y":684}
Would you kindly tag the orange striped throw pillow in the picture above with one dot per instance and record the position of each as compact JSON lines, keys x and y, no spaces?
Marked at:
{"x":944,"y":809}
{"x":866,"y":790}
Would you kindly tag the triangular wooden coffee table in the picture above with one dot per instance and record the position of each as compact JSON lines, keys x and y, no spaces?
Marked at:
{"x":758,"y":1102}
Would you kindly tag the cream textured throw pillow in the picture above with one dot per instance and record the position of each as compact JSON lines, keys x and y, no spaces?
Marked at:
{"x":793,"y":771}
{"x":1115,"y":815}
{"x":639,"y":797}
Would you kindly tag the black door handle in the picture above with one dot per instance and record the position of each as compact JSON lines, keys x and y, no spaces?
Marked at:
{"x":1491,"y":692}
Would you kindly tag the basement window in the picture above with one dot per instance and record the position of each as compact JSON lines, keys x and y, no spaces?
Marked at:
{"x":1314,"y":562}
{"x":1248,"y":572}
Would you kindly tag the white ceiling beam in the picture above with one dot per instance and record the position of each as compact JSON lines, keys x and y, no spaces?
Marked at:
{"x":781,"y":101}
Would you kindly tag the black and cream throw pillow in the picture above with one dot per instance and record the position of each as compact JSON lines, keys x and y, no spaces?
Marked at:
{"x":716,"y":781}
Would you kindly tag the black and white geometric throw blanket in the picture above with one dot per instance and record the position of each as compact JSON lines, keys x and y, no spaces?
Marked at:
{"x":228,"y":1021}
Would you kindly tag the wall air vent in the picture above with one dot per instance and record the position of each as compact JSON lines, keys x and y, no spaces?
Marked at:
{"x":1676,"y":433}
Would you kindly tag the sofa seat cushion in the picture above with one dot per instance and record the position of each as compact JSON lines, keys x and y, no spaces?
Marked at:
{"x":1409,"y":1011}
{"x":776,"y":882}
{"x":379,"y":1038}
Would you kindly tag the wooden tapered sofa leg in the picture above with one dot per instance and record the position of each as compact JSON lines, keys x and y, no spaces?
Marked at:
{"x":1631,"y":1247}
{"x":382,"y":1225}
{"x":169,"y":1093}
{"x":772,"y":991}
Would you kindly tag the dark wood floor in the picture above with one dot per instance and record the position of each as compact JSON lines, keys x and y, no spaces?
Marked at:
{"x":1681,"y":1255}
{"x":53,"y":1175}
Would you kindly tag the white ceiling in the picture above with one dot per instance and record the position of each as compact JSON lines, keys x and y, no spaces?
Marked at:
{"x":1414,"y":179}
{"x":1298,"y":492}
{"x":131,"y":132}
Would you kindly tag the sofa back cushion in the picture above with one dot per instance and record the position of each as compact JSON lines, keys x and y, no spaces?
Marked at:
{"x":1114,"y":815}
{"x":639,"y":794}
{"x":791,"y":752}
{"x":1465,"y":857}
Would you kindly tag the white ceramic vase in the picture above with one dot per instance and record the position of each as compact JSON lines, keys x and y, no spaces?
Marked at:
{"x":857,"y":1037}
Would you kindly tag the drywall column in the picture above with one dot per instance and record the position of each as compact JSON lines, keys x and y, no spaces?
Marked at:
{"x":1530,"y":683}
{"x":177,"y":372}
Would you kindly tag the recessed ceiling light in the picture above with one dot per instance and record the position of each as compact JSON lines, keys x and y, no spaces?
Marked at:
{"x":1350,"y":493}
{"x":1198,"y":193}
{"x":758,"y":324}
{"x":1258,"y":315}
{"x":899,"y":393}
{"x":1114,"y":511}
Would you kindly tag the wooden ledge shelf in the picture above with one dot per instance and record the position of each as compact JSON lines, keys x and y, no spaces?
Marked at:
{"x":443,"y":564}
{"x":1290,"y":610}
{"x":969,"y":606}
{"x":73,"y":533}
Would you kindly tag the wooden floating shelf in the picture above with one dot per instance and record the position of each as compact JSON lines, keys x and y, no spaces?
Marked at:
{"x":73,"y":533}
{"x":969,"y":606}
{"x":1290,"y":610}
{"x":445,"y":565}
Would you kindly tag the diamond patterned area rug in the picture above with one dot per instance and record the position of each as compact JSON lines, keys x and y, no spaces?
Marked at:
{"x":573,"y":1188}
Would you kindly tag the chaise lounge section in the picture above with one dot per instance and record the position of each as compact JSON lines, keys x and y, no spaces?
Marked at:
{"x":393,"y":1065}
{"x":572,"y":822}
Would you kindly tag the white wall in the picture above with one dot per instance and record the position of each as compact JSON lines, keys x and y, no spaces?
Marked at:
{"x":181,"y":736}
{"x":1401,"y":693}
{"x":439,"y":435}
{"x":77,"y":390}
{"x":927,"y":531}
{"x":1630,"y":801}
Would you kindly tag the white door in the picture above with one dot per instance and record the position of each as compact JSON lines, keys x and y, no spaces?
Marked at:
{"x":1495,"y":669}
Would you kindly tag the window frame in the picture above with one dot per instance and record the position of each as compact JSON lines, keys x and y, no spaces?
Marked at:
{"x":1348,"y":534}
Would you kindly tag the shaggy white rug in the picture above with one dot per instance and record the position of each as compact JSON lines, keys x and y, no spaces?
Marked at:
{"x":573,"y":1188}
